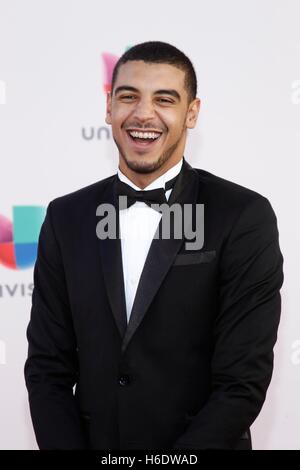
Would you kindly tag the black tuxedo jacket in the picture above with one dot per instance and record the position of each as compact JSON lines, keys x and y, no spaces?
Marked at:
{"x":192,"y":367}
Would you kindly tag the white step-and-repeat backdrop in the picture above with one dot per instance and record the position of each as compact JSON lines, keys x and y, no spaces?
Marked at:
{"x":55,"y":58}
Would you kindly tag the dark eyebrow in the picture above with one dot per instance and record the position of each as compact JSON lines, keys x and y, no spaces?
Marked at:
{"x":125,"y":88}
{"x":170,"y":92}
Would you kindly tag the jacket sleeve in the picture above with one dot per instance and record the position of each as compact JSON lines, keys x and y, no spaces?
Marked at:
{"x":51,"y":368}
{"x":245,"y":331}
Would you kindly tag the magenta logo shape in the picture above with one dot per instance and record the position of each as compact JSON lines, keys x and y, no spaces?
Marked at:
{"x":109,"y":61}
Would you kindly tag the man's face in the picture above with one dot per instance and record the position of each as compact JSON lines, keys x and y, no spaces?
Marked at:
{"x":149,"y":114}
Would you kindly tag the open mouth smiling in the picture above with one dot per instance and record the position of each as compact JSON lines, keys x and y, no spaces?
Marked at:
{"x":144,"y":138}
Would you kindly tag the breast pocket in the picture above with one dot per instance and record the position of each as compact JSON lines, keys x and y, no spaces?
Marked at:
{"x":183,"y":259}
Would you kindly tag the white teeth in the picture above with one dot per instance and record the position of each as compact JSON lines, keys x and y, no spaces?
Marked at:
{"x":144,"y":135}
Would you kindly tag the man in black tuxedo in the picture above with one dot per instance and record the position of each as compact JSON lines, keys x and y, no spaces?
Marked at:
{"x":139,"y":341}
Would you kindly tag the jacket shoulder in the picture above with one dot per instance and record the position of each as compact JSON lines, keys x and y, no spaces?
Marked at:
{"x":83,"y":196}
{"x":226,"y":191}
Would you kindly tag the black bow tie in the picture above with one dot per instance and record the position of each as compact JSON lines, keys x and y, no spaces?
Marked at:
{"x":152,"y":196}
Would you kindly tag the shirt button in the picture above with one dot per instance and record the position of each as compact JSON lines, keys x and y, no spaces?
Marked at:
{"x":124,"y":380}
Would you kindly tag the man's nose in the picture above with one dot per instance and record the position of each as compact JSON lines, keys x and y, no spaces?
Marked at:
{"x":144,"y":110}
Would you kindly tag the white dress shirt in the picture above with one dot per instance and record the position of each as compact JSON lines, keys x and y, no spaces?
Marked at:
{"x":138,"y":224}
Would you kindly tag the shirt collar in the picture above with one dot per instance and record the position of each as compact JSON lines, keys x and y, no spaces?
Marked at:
{"x":158,"y":182}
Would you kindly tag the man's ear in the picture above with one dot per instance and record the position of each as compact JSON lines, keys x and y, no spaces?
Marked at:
{"x":192,"y":114}
{"x":108,"y":108}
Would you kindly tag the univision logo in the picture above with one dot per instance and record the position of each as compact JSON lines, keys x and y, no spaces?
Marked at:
{"x":19,"y":237}
{"x":109,"y":61}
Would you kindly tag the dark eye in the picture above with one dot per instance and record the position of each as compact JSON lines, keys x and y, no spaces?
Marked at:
{"x":127,"y":97}
{"x":164,"y":100}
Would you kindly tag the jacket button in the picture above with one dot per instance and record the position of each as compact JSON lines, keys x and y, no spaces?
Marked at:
{"x":124,"y":380}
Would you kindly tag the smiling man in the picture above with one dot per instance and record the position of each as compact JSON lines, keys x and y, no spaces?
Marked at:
{"x":150,"y":117}
{"x":135,"y":341}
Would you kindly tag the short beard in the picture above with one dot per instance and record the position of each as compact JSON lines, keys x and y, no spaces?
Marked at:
{"x":146,"y":167}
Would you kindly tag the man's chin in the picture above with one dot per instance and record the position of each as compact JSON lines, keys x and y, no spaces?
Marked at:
{"x":143,"y":164}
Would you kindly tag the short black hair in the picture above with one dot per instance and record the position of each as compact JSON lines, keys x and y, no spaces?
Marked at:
{"x":158,"y":52}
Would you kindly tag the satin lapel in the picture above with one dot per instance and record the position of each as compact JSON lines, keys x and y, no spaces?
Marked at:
{"x":161,"y":253}
{"x":111,"y":259}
